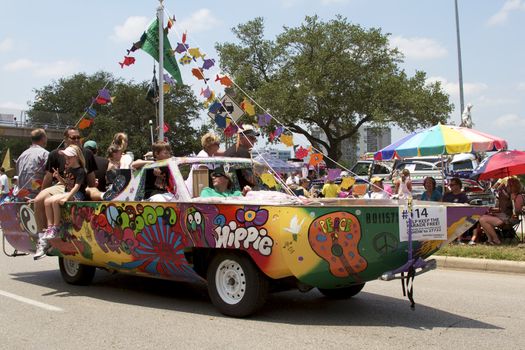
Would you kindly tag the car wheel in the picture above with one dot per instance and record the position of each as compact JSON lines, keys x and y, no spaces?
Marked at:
{"x":235,"y":285}
{"x":342,"y":293}
{"x":75,"y":273}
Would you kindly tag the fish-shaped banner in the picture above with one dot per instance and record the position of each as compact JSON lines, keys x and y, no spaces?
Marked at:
{"x":347,"y":182}
{"x":220,"y":120}
{"x":186,"y":59}
{"x":263,"y":119}
{"x":128,"y":61}
{"x":85,"y":123}
{"x":301,"y":153}
{"x":230,"y":130}
{"x":195,"y":52}
{"x":315,"y":159}
{"x":208,"y":63}
{"x":287,"y":139}
{"x":197,"y":73}
{"x":268,"y":180}
{"x":248,"y":107}
{"x":333,"y":174}
{"x":224,"y":80}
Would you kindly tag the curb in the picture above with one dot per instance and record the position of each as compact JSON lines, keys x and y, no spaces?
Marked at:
{"x":452,"y":262}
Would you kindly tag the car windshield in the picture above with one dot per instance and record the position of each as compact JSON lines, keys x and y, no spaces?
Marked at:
{"x":361,"y":168}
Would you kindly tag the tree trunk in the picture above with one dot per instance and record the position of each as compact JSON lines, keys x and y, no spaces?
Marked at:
{"x":334,"y":154}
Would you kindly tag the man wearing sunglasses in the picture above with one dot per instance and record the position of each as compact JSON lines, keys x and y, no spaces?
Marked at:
{"x":246,"y":139}
{"x":222,"y":186}
{"x":56,"y":161}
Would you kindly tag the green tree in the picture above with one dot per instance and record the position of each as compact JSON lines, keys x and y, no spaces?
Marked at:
{"x":335,"y":76}
{"x":130,"y":112}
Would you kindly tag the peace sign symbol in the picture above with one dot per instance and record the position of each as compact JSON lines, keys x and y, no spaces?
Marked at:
{"x":385,"y":242}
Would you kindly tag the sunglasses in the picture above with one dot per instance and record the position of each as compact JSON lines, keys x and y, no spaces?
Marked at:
{"x":74,"y":137}
{"x":217,"y":175}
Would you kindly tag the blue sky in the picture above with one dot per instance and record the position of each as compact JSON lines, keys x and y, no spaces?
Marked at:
{"x":44,"y":40}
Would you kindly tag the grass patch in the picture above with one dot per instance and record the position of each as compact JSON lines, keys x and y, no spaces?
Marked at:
{"x":514,"y":252}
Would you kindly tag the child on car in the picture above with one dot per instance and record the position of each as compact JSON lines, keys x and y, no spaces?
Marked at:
{"x":74,"y":181}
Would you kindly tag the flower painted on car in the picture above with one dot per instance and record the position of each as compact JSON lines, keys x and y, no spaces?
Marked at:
{"x":252,"y":216}
{"x":159,"y":251}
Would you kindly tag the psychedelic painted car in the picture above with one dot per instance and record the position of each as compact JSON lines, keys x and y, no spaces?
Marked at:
{"x":242,"y":246}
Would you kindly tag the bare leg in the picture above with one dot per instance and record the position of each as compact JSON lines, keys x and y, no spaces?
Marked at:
{"x":489,"y":222}
{"x":49,"y":209}
{"x":56,"y":209}
{"x":94,"y":194}
{"x":40,"y":212}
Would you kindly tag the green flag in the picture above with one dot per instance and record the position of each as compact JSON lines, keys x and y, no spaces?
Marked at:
{"x":150,"y":44}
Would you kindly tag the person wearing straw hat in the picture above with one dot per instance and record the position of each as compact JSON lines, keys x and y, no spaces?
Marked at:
{"x":246,"y":139}
{"x":378,"y":191}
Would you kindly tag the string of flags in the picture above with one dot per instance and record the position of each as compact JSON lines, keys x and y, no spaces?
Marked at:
{"x":218,"y":109}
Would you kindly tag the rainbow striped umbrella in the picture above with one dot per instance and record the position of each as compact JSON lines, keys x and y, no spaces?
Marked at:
{"x":441,"y":139}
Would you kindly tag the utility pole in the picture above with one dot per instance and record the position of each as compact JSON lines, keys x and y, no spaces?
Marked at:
{"x":460,"y":69}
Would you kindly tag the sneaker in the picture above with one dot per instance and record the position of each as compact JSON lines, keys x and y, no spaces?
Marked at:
{"x":471,"y":243}
{"x":51,"y":232}
{"x":41,"y":249}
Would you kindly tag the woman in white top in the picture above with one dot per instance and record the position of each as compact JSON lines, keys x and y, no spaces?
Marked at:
{"x":404,"y":185}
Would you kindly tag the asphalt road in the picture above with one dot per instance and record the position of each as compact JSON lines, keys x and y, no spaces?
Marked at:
{"x":455,"y":309}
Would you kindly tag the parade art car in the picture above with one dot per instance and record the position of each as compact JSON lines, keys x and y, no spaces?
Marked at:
{"x":242,"y":246}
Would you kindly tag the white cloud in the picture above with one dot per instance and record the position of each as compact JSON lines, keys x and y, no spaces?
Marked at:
{"x":506,"y":120}
{"x":496,"y":101}
{"x":6,"y":45}
{"x":131,"y":30}
{"x":521,"y":86}
{"x":51,"y":69}
{"x":419,"y":48}
{"x":502,"y":15}
{"x":20,"y":64}
{"x":200,"y":21}
{"x":452,"y":88}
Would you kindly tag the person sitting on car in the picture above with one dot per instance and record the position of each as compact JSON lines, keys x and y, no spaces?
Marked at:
{"x":431,"y":193}
{"x":507,"y":211}
{"x":222,"y":186}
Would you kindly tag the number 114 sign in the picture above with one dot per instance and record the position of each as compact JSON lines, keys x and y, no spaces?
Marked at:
{"x":428,"y":223}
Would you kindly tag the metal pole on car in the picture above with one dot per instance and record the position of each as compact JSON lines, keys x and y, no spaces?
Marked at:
{"x":460,"y":70}
{"x":160,"y":17}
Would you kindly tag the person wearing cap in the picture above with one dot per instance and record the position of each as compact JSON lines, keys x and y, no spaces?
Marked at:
{"x":57,"y":162}
{"x":30,"y":165}
{"x":74,"y":183}
{"x":222,"y":186}
{"x":378,"y":191}
{"x":14,"y":185}
{"x":246,"y":139}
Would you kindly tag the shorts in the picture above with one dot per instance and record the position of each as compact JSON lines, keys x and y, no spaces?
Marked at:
{"x":79,"y":196}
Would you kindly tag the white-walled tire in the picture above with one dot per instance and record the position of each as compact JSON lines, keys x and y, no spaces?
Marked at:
{"x":235,"y":285}
{"x":75,"y":273}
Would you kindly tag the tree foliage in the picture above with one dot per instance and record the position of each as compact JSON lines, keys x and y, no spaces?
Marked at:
{"x":332,"y":75}
{"x":130,"y":112}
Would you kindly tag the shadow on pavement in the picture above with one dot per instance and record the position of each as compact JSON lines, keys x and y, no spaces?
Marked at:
{"x":290,"y":307}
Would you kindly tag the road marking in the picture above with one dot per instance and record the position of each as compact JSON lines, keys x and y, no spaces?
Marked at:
{"x":30,"y":301}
